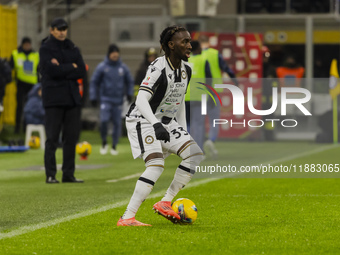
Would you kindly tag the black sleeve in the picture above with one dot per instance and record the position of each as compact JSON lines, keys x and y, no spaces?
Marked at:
{"x":188,"y":70}
{"x":54,"y":71}
{"x":80,"y":71}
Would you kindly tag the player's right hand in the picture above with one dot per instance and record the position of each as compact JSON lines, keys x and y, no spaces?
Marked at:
{"x":161,"y":133}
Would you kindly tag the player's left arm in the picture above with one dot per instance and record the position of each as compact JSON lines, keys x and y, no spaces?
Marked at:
{"x":181,"y":115}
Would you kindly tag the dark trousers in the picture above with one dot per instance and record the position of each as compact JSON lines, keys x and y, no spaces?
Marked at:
{"x":67,"y":120}
{"x":112,"y":112}
{"x":22,"y":91}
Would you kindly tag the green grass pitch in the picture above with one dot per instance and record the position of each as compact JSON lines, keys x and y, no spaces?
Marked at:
{"x":236,"y":215}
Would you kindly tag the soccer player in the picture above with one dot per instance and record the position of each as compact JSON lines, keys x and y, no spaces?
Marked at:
{"x":156,"y":125}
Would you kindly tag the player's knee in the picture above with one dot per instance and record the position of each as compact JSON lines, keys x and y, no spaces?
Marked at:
{"x":193,"y":155}
{"x":155,"y":162}
{"x":154,"y":169}
{"x":151,"y":156}
{"x":196,"y":159}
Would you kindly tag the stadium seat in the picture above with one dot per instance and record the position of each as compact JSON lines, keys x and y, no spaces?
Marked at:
{"x":36,"y":128}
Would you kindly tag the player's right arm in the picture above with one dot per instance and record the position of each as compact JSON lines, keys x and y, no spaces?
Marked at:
{"x":142,"y":102}
{"x":145,"y":93}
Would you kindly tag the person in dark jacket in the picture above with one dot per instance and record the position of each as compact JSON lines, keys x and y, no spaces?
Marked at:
{"x":61,"y":65}
{"x":34,"y":111}
{"x":149,"y":57}
{"x":111,"y":81}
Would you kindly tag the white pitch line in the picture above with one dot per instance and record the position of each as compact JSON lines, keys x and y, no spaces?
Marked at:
{"x":31,"y":228}
{"x":125,"y":178}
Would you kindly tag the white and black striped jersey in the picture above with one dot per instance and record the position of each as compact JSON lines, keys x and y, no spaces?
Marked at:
{"x":167,"y":86}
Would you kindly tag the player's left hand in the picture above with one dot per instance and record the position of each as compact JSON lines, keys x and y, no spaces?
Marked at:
{"x":161,"y":133}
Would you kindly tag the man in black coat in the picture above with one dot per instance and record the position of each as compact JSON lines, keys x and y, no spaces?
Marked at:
{"x":61,"y":64}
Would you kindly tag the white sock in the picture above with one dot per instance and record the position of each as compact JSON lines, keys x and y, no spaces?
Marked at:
{"x":144,"y":185}
{"x":192,"y":157}
{"x":182,"y":176}
{"x":142,"y":190}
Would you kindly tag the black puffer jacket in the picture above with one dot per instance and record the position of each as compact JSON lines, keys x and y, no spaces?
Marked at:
{"x":59,"y":82}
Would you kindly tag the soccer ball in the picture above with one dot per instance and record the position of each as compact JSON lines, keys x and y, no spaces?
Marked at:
{"x":84,"y":149}
{"x":34,"y":142}
{"x":186,"y":209}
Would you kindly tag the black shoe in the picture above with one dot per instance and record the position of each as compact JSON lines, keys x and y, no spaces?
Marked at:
{"x":51,"y":179}
{"x":75,"y":180}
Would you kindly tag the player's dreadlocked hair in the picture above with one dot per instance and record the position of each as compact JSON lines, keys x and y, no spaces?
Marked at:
{"x":166,"y":36}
